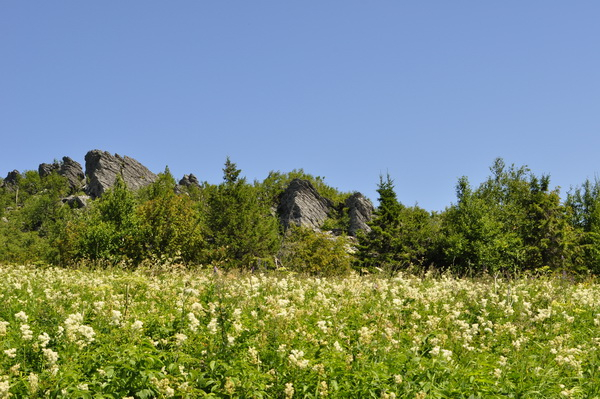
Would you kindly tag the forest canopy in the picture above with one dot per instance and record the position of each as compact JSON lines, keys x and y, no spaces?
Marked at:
{"x":512,"y":222}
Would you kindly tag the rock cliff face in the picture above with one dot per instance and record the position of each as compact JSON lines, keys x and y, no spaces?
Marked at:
{"x":68,"y":168}
{"x":102,"y":169}
{"x":360,"y":210}
{"x":301,"y":205}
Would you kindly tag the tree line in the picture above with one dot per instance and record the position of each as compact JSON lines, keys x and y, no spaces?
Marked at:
{"x":512,"y":222}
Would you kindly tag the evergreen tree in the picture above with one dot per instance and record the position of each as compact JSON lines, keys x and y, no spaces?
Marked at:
{"x":400,"y":236}
{"x":242,"y":230}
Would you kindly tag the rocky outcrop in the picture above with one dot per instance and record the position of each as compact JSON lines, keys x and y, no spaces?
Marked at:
{"x":102,"y":168}
{"x":360,"y":211}
{"x":189,"y":180}
{"x":68,"y":168}
{"x":46,"y":169}
{"x":301,"y":205}
{"x":11,"y":179}
{"x":73,"y":172}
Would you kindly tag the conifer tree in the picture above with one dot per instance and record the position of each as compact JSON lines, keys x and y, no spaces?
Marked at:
{"x":242,"y":230}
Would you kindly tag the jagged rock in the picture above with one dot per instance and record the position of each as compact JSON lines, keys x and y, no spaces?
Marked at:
{"x":102,"y":169}
{"x":76,"y":201}
{"x":68,"y":168}
{"x":73,"y":172}
{"x":360,"y":210}
{"x":301,"y":205}
{"x":189,"y":180}
{"x":11,"y":179}
{"x":46,"y":169}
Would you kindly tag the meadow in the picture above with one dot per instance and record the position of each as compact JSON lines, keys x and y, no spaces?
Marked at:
{"x":68,"y":333}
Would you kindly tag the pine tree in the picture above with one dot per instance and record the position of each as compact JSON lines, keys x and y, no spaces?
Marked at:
{"x":242,"y":231}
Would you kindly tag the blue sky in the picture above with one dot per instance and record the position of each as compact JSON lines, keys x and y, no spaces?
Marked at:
{"x":426,"y":91}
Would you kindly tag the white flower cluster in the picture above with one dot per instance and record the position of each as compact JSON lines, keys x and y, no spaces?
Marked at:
{"x":78,"y":332}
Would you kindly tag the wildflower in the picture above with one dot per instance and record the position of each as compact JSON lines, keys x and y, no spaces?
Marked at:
{"x":337,"y":346}
{"x":33,"y":382}
{"x":26,"y":332}
{"x":115,"y":318}
{"x":21,"y":316}
{"x":289,"y":390}
{"x":229,"y":386}
{"x":212,"y":326}
{"x":14,"y":370}
{"x":253,"y":353}
{"x":180,"y":339}
{"x":194,"y":322}
{"x":50,"y":355}
{"x":3,"y":325}
{"x":398,"y":379}
{"x":44,"y":339}
{"x":4,"y":387}
{"x":11,"y":353}
{"x":323,"y":389}
{"x":322,"y":324}
{"x":297,"y":359}
{"x":137,"y":325}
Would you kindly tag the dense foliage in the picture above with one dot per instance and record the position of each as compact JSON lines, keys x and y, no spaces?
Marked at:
{"x":512,"y":222}
{"x":133,"y":334}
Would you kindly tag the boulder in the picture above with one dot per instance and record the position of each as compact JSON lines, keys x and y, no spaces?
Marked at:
{"x":102,"y":168}
{"x":360,"y":211}
{"x":301,"y":205}
{"x":76,"y":201}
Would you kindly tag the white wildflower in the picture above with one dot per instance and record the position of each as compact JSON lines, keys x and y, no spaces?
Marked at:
{"x":11,"y":353}
{"x":212,"y":326}
{"x":21,"y":316}
{"x":50,"y":355}
{"x":137,"y":325}
{"x":26,"y":332}
{"x":297,"y":359}
{"x":289,"y":390}
{"x":4,"y":387}
{"x":34,"y":382}
{"x":180,"y":339}
{"x":115,"y":317}
{"x":253,"y":353}
{"x":194,"y":322}
{"x":44,"y":339}
{"x":3,"y":325}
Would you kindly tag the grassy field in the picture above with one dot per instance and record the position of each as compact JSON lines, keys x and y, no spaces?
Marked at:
{"x":116,"y":334}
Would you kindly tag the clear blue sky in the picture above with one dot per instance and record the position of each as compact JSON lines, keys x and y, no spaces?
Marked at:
{"x":426,"y":90}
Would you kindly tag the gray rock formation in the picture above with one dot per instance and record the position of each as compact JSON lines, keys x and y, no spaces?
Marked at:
{"x":68,"y":168}
{"x":76,"y":201}
{"x":360,"y":210}
{"x":102,"y":169}
{"x":11,"y":179}
{"x":73,"y":172}
{"x":46,"y":169}
{"x":189,"y":180}
{"x":301,"y":205}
